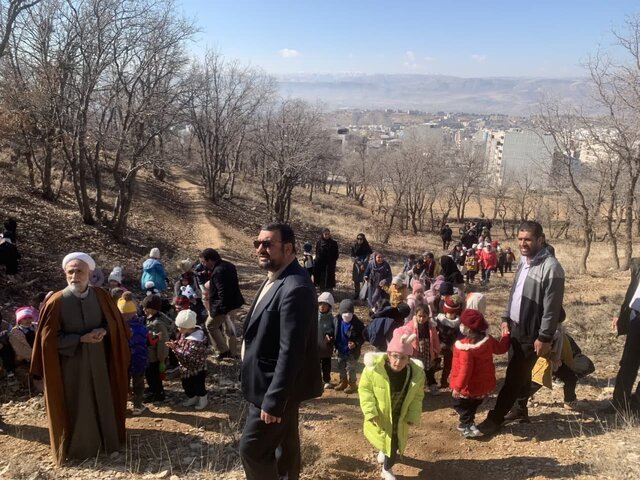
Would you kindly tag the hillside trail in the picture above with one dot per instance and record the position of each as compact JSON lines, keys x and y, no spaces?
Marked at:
{"x":205,"y":233}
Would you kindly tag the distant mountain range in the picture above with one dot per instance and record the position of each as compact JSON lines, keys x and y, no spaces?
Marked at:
{"x":508,"y":95}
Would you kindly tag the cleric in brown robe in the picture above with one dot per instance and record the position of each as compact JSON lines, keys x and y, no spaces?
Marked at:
{"x":81,"y":351}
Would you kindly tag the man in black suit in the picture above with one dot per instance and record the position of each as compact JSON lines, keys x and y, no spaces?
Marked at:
{"x":628,"y":323}
{"x":280,"y":366}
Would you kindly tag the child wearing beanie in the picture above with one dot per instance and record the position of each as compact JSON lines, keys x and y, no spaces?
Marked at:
{"x":191,"y":350}
{"x":448,"y":326}
{"x":397,"y":291}
{"x":138,"y":349}
{"x":473,"y":376}
{"x":416,"y":298}
{"x":426,"y":346}
{"x":159,"y":328}
{"x":348,"y":334}
{"x":391,"y":392}
{"x":325,"y":336}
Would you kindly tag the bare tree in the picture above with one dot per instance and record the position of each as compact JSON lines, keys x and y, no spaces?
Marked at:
{"x":9,"y":13}
{"x":224,"y":101}
{"x":356,"y":169}
{"x":616,"y":90}
{"x":586,"y":194}
{"x":287,"y":145}
{"x":467,"y":172}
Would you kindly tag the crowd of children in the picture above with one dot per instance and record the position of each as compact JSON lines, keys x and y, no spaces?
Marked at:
{"x":421,"y":323}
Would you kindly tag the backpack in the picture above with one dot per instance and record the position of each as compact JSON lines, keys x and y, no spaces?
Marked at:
{"x":471,"y":263}
{"x":374,"y":333}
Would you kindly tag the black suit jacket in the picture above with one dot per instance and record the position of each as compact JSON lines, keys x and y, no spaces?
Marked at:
{"x":624,"y":316}
{"x":281,"y":362}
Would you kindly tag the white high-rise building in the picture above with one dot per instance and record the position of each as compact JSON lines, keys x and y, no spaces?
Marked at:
{"x":516,"y":152}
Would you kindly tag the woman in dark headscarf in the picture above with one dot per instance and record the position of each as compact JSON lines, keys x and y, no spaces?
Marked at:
{"x":326,"y":258}
{"x":450,"y":271}
{"x":360,"y":253}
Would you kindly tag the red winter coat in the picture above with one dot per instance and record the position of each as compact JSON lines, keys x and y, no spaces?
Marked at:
{"x":488,"y":260}
{"x":473,"y":373}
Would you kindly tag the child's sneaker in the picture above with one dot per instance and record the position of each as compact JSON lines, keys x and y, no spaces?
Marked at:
{"x":190,"y":402}
{"x":137,"y":411}
{"x":387,"y":474}
{"x":434,"y":390}
{"x":462,"y":427}
{"x":380,"y":458}
{"x":471,"y":432}
{"x":203,"y":401}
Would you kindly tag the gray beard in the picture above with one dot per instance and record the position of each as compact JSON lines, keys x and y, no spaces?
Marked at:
{"x":78,"y":289}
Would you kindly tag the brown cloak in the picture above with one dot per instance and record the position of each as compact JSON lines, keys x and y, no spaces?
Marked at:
{"x":45,"y":363}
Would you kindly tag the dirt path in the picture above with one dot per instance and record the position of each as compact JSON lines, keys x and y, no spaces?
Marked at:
{"x":205,"y":233}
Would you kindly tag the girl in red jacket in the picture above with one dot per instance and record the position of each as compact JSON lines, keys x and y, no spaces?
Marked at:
{"x":473,"y":375}
{"x":488,"y":260}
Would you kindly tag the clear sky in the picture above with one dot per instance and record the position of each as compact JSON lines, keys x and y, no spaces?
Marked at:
{"x":464,"y":38}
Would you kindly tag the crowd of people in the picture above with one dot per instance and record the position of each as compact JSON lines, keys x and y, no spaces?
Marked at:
{"x":95,"y":345}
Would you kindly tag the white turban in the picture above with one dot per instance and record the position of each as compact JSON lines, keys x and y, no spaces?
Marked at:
{"x":83,"y":257}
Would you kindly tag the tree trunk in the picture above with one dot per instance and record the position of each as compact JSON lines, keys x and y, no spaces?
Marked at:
{"x":628,"y":226}
{"x":586,"y":236}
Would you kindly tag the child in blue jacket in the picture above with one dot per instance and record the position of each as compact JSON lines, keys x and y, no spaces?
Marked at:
{"x":138,"y":348}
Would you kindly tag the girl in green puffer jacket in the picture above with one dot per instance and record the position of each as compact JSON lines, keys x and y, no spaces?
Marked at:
{"x":391,"y":391}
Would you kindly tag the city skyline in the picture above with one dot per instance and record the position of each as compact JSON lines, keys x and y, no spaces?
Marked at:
{"x":474,"y":39}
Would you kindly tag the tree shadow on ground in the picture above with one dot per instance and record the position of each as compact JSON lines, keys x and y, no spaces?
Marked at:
{"x":506,"y":468}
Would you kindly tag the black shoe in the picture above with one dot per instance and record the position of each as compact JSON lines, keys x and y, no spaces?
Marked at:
{"x":154,"y":397}
{"x":517,"y":416}
{"x":489,"y":427}
{"x":224,"y":355}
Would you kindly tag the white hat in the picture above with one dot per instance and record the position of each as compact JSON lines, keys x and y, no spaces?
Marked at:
{"x":186,"y":319}
{"x":187,"y":291}
{"x":116,"y":275}
{"x":326,"y":297}
{"x":154,"y":253}
{"x":397,"y":280}
{"x":83,"y":257}
{"x":149,"y":284}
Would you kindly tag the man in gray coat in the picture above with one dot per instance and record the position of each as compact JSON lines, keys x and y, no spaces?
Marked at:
{"x":533,"y":312}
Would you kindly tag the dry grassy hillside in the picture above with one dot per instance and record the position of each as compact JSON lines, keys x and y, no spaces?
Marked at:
{"x":172,"y":441}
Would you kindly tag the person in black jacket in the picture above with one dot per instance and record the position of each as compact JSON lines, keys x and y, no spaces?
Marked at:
{"x":326,"y":258}
{"x":225,"y":298}
{"x":348,"y":339}
{"x":628,"y":323}
{"x":9,"y":254}
{"x":446,"y":234}
{"x":280,"y":365}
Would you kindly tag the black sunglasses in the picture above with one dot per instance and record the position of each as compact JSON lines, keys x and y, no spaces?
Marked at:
{"x":264,"y":243}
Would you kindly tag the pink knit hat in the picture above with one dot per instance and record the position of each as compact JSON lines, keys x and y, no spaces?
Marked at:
{"x":401,"y":342}
{"x":24,"y":312}
{"x":417,"y":286}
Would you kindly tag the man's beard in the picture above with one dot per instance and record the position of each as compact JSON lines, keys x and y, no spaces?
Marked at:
{"x":78,"y":288}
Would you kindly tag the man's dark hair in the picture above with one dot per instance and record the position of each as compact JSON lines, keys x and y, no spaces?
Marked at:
{"x":286,"y":233}
{"x":533,"y":227}
{"x":210,"y":254}
{"x":10,"y":224}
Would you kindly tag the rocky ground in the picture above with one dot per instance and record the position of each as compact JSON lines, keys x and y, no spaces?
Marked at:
{"x":174,"y":442}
